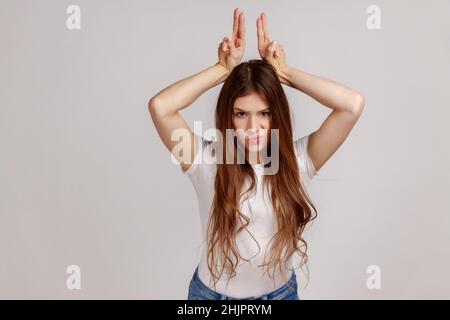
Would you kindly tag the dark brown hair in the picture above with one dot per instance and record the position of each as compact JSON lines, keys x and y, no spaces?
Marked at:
{"x":292,"y":206}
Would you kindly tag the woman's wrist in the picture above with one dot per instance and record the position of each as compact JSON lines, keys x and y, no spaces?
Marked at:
{"x":222,"y":71}
{"x":284,"y":73}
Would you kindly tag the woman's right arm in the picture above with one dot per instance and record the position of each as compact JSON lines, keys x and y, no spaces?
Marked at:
{"x":164,"y":108}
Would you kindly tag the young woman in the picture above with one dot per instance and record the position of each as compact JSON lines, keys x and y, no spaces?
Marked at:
{"x":253,"y":222}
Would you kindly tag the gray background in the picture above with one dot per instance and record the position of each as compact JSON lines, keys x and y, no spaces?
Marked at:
{"x":85,"y":180}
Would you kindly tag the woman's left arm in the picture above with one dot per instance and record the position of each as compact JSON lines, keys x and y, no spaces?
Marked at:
{"x":346,"y":103}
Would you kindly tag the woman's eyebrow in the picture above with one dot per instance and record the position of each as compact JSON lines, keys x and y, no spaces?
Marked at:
{"x":239,"y":109}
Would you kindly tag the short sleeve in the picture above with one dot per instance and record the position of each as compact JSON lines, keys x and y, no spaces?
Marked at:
{"x":306,"y":164}
{"x":197,"y":157}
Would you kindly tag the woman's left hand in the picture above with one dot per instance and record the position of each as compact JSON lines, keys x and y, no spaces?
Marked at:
{"x":271,"y":51}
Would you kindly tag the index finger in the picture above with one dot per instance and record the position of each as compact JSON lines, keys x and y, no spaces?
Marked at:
{"x":264,"y":25}
{"x":260,"y":31}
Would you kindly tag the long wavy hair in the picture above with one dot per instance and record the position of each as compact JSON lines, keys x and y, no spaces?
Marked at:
{"x":292,"y":206}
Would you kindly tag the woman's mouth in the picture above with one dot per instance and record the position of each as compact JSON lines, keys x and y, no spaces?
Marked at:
{"x":254,"y":139}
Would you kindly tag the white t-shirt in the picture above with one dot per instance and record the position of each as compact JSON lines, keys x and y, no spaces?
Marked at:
{"x":250,"y":280}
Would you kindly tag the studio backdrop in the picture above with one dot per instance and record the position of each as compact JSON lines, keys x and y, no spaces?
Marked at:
{"x":92,"y":206}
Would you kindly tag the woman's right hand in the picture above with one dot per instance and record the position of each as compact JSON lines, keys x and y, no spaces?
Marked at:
{"x":231,"y":50}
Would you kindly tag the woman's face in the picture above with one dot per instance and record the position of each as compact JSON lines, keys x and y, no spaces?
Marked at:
{"x":251,"y":114}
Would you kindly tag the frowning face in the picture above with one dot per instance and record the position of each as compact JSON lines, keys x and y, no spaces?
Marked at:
{"x":252,"y":117}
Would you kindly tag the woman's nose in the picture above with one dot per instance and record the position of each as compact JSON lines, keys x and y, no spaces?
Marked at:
{"x":253,"y":123}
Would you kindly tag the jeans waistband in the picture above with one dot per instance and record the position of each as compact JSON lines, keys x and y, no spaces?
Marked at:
{"x":289,"y":287}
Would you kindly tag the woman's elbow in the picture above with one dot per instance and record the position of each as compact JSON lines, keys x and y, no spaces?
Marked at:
{"x":359,"y":102}
{"x":152,"y":102}
{"x":154,"y":106}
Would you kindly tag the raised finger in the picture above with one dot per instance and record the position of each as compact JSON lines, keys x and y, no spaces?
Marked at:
{"x":264,"y":25}
{"x":235,"y":23}
{"x":241,"y":30}
{"x":260,"y":31}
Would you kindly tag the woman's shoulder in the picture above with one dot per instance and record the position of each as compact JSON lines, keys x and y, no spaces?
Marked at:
{"x":301,"y":152}
{"x":205,"y":154}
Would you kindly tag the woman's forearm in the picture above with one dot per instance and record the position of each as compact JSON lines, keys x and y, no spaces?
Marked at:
{"x":327,"y":92}
{"x":182,"y":93}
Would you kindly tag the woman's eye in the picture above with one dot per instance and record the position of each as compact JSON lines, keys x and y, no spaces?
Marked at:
{"x":265,"y":113}
{"x":240,"y":114}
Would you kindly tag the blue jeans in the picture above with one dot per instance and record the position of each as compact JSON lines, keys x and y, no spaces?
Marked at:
{"x":199,"y":291}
